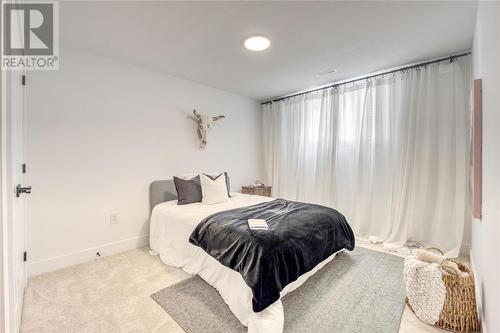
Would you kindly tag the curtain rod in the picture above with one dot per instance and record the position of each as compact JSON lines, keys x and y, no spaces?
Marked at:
{"x":449,"y":58}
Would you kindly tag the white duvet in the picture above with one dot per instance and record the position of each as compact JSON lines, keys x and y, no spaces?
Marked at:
{"x":171,"y":226}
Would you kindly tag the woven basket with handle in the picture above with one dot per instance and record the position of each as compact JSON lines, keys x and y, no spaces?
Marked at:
{"x":459,"y":309}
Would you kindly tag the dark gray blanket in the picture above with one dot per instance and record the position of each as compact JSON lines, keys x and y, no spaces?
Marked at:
{"x":300,"y":236}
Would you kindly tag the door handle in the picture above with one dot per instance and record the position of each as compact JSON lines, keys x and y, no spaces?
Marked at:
{"x":22,"y":189}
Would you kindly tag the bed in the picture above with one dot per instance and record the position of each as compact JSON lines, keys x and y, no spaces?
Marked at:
{"x":178,"y":234}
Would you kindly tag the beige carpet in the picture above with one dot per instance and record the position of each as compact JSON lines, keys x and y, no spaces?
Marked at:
{"x":112,"y":294}
{"x":106,"y":295}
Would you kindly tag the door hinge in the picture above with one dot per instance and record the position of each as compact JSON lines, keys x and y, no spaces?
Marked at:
{"x":23,"y":80}
{"x":24,"y":167}
{"x":25,"y":256}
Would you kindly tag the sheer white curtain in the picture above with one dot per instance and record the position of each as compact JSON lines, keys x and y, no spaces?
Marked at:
{"x":390,"y":153}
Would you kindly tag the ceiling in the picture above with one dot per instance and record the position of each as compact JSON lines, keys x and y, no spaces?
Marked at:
{"x":203,"y":41}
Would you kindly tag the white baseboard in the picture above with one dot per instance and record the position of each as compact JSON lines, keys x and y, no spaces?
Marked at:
{"x":78,"y":257}
{"x":483,"y":327}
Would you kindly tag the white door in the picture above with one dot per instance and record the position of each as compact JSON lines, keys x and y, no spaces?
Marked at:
{"x":14,"y":180}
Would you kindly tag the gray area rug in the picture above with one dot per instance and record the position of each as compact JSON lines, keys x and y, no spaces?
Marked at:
{"x":358,"y":291}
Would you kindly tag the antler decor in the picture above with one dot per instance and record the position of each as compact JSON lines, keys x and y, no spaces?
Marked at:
{"x":204,"y":123}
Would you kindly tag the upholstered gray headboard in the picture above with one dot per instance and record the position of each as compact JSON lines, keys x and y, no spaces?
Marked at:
{"x":161,"y":191}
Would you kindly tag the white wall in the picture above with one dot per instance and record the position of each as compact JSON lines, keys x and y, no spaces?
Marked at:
{"x":100,"y":131}
{"x":485,"y":251}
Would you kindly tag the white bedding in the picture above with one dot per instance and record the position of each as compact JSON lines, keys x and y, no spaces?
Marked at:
{"x":171,"y":226}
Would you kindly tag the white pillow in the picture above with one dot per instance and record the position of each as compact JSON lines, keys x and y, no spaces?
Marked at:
{"x":213,"y":191}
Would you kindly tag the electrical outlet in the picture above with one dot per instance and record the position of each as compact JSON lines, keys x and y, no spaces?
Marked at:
{"x":113,"y":219}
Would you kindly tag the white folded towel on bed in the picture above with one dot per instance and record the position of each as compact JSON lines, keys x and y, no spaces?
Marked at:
{"x":258,"y":224}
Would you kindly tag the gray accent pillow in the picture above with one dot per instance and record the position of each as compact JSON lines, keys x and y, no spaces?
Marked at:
{"x":215,"y":177}
{"x":188,"y":190}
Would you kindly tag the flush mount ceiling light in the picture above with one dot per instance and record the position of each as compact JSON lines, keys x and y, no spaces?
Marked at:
{"x":257,"y":43}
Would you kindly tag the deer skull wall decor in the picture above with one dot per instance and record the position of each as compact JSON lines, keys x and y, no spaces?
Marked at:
{"x":204,"y":124}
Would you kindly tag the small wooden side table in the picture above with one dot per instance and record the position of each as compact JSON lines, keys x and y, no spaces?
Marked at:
{"x":257,"y":190}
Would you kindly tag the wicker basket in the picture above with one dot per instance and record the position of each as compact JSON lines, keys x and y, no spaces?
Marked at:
{"x":459,"y":309}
